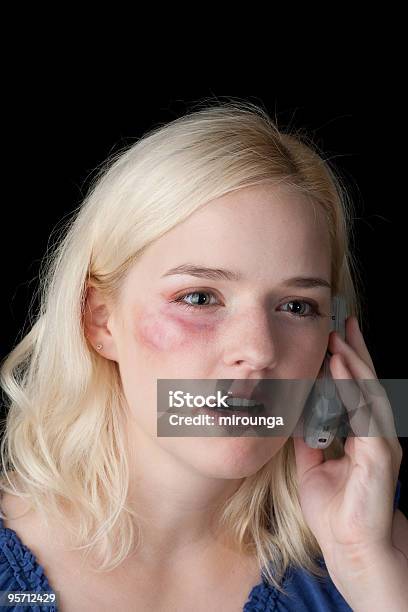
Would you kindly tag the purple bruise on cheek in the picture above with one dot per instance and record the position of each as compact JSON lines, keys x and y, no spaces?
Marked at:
{"x":164,"y":331}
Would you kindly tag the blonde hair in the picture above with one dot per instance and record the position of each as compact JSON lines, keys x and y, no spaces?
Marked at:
{"x":63,"y":445}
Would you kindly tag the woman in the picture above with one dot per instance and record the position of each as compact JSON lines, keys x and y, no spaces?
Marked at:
{"x":221,"y":206}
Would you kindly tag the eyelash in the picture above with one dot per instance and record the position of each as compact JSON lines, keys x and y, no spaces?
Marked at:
{"x":179,"y":300}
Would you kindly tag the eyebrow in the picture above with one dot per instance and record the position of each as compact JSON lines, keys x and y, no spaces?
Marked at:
{"x":304,"y":282}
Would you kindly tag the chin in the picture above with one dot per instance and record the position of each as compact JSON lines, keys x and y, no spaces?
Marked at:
{"x":234,"y":457}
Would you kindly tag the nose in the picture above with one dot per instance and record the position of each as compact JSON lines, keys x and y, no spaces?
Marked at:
{"x":249,"y":342}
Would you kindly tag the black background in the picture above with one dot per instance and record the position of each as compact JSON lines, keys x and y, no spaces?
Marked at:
{"x":61,"y":128}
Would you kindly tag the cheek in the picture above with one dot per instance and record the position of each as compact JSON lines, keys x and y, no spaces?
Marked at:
{"x":303,"y":356}
{"x":163,"y":331}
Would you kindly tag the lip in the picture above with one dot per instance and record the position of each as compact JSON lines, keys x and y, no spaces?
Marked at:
{"x":246,"y":389}
{"x":225,"y":411}
{"x":242,"y":411}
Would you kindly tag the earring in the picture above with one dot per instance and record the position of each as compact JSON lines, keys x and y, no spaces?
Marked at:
{"x":99,"y":346}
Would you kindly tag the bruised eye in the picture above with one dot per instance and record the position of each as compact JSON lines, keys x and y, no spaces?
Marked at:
{"x":201,"y":299}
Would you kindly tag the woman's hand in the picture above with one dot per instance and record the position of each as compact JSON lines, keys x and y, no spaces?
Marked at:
{"x":348,"y":502}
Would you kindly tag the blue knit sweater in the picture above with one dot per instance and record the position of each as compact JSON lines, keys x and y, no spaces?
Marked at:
{"x":21,"y":572}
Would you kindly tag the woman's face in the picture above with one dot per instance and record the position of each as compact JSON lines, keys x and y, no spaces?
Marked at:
{"x":247,"y":327}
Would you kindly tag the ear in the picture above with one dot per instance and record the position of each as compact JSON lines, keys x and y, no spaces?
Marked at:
{"x":97,"y":322}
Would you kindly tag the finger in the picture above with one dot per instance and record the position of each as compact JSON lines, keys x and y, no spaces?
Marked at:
{"x":355,"y":339}
{"x":373,"y":421}
{"x":373,"y":395}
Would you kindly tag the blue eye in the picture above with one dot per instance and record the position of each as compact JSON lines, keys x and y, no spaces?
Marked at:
{"x":196,"y":303}
{"x":199,"y":303}
{"x":315,"y":311}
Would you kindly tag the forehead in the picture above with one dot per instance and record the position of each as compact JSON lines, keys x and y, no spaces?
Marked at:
{"x":264,"y":231}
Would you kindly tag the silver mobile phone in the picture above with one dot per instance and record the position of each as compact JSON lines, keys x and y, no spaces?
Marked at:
{"x":324,"y":408}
